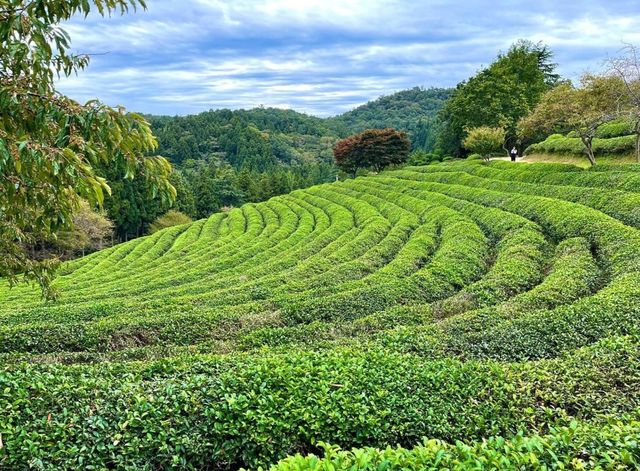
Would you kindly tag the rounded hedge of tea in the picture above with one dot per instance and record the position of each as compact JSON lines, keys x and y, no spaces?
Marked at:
{"x":612,"y":445}
{"x":476,"y":315}
{"x":558,"y":144}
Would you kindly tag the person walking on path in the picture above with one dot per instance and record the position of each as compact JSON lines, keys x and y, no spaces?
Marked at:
{"x":513,"y":154}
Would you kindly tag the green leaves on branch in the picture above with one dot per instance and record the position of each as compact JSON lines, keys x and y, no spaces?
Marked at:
{"x":50,"y":144}
{"x":579,"y":446}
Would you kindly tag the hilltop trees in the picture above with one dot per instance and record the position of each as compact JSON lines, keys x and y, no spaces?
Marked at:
{"x":498,"y":96}
{"x":256,"y":139}
{"x":214,"y":187}
{"x":373,"y":148}
{"x":413,"y":111}
{"x":577,"y":109}
{"x":50,"y":145}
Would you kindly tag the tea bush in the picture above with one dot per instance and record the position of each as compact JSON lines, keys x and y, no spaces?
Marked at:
{"x":476,"y":314}
{"x":615,"y":128}
{"x":579,"y":445}
{"x":556,"y":144}
{"x":249,"y":411}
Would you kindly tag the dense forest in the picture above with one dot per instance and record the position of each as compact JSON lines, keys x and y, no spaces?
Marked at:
{"x":263,"y":138}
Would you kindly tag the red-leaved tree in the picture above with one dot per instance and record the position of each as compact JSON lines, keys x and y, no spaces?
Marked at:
{"x":373,"y":148}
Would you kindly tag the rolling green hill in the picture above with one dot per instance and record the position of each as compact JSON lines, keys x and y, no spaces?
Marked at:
{"x":453,"y":302}
{"x":263,"y":137}
{"x":414,"y":111}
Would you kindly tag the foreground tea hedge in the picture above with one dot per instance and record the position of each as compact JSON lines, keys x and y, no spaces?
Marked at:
{"x":613,"y":445}
{"x":251,"y":410}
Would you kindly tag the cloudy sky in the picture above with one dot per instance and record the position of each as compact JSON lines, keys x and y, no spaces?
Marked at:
{"x":324,"y":57}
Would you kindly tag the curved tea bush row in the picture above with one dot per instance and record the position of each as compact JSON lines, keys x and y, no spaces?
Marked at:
{"x":617,"y":177}
{"x":621,"y":205}
{"x":573,"y":274}
{"x":573,"y":145}
{"x":616,"y":128}
{"x":615,"y":243}
{"x":579,"y":445}
{"x":150,"y":323}
{"x":519,"y":255}
{"x":196,"y":269}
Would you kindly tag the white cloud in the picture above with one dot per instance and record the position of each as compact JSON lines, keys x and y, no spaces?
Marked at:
{"x":323,"y":56}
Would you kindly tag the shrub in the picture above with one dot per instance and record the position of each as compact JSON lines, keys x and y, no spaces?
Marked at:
{"x":421,"y":157}
{"x":169,"y":219}
{"x":616,"y":128}
{"x":484,"y":140}
{"x":556,"y":144}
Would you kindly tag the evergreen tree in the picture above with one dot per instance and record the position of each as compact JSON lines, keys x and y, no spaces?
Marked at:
{"x":185,"y":201}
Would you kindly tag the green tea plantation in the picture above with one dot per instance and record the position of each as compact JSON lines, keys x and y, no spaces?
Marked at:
{"x":461,"y":315}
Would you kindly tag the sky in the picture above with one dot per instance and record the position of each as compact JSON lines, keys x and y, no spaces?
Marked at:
{"x":324,"y":57}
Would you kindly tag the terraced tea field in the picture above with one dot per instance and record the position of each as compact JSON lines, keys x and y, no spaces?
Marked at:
{"x":453,"y":302}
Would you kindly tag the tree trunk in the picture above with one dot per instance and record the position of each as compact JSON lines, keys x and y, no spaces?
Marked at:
{"x":592,"y":158}
{"x":587,"y":141}
{"x":637,"y":130}
{"x":506,"y":149}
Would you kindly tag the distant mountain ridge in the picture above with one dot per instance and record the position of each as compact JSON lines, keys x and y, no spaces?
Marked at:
{"x":262,"y":137}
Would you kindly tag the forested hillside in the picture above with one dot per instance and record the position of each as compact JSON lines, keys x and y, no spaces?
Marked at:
{"x":262,"y":138}
{"x":414,"y":111}
{"x":256,"y":139}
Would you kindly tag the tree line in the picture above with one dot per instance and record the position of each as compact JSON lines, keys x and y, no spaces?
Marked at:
{"x":520,"y":99}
